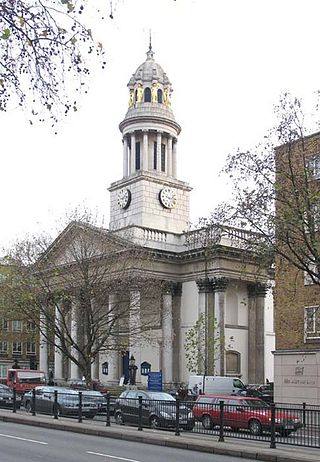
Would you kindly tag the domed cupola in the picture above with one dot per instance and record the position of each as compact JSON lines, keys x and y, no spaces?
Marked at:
{"x":150,"y":95}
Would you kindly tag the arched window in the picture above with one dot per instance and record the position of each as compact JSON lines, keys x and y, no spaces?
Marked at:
{"x":138,"y":155}
{"x":135,"y":96}
{"x":147,"y":95}
{"x":233,"y":362}
{"x":159,"y":93}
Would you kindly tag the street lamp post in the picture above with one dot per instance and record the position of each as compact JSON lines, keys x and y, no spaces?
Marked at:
{"x":132,"y":370}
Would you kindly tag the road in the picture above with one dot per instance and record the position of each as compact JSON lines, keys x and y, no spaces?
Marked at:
{"x":21,"y":443}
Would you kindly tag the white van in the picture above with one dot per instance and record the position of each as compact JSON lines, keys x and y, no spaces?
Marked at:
{"x":215,"y":385}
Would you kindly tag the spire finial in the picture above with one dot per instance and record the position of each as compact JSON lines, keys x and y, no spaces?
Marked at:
{"x":150,"y":52}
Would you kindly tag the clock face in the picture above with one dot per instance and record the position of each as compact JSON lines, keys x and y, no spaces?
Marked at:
{"x":124,"y":198}
{"x":168,"y":198}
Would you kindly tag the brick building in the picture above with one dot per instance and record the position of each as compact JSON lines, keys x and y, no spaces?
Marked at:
{"x":297,"y":289}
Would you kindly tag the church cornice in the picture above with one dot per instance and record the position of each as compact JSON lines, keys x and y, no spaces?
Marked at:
{"x":157,"y":177}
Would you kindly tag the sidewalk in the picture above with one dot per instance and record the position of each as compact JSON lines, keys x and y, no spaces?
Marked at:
{"x":257,"y":450}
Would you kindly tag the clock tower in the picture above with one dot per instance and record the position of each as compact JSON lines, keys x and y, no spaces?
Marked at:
{"x":149,"y":195}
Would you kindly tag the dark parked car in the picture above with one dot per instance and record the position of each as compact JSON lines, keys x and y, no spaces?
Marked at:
{"x":242,"y":412}
{"x":158,"y":410}
{"x":6,"y":397}
{"x":68,"y":402}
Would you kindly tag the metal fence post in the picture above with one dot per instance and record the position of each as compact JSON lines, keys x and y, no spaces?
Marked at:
{"x":55,"y":405}
{"x":108,"y":411}
{"x":33,"y":404}
{"x":80,"y":407}
{"x":14,"y":408}
{"x":177,"y":432}
{"x":273,"y":426}
{"x":304,"y":414}
{"x":140,"y":414}
{"x":221,"y":422}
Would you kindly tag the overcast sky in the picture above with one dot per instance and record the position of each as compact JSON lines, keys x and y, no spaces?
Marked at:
{"x":228,"y":62}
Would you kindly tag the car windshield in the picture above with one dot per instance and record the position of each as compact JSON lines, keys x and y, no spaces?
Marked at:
{"x":161,"y":396}
{"x":31,"y":377}
{"x":254,"y":403}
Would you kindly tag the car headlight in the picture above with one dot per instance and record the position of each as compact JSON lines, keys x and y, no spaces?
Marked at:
{"x":296,"y":420}
{"x":165,"y":414}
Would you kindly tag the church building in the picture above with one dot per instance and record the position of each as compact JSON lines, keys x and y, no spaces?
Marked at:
{"x":208,"y":276}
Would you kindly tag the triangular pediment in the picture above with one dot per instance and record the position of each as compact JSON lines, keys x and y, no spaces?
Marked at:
{"x":81,"y":241}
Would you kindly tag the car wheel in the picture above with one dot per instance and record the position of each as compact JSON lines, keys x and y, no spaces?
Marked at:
{"x":255,"y":427}
{"x":154,"y":422}
{"x":188,"y":427}
{"x":28,"y":407}
{"x":118,"y":417}
{"x":90,"y":416}
{"x":207,"y":422}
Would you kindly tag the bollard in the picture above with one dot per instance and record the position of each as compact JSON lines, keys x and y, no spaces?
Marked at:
{"x":177,"y":432}
{"x":273,"y":426}
{"x":14,"y":407}
{"x":80,"y":407}
{"x":221,"y":422}
{"x":108,"y":411}
{"x":55,"y":405}
{"x":33,"y":405}
{"x":140,"y":414}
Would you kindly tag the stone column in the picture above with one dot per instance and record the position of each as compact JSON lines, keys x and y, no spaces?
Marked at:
{"x":167,"y":335}
{"x":112,"y":355}
{"x":145,"y":151}
{"x":174,"y":158}
{"x":220,"y":287}
{"x":58,"y":357}
{"x":43,"y":351}
{"x":135,"y":330}
{"x":204,"y":288}
{"x":125,"y":156}
{"x":133,"y":154}
{"x":74,"y":369}
{"x":159,"y":138}
{"x":169,"y":163}
{"x":95,"y":369}
{"x":176,"y":321}
{"x":256,"y":293}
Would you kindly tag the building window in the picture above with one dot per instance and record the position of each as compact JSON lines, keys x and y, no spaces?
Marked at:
{"x":313,"y":165}
{"x":147,"y":95}
{"x":16,"y":348}
{"x":138,"y":155}
{"x":31,"y":327}
{"x":233,"y":362}
{"x":31,"y":348}
{"x":4,"y":347}
{"x":155,"y":155}
{"x":311,"y":276}
{"x":16,"y":326}
{"x":3,"y":370}
{"x":5,"y":325}
{"x":312,"y":323}
{"x":159,"y":94}
{"x":163,"y":157}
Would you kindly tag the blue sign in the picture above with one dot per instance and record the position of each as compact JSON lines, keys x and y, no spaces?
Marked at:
{"x":155,"y":381}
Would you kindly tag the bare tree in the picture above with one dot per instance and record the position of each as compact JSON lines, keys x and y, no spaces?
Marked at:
{"x":276,"y":197}
{"x":84,"y":277}
{"x":40,"y":44}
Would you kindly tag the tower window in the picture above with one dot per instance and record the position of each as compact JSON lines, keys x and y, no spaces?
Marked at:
{"x":138,"y":155}
{"x":163,"y":157}
{"x":147,"y":95}
{"x":135,"y":96}
{"x":155,"y":155}
{"x":160,"y":99}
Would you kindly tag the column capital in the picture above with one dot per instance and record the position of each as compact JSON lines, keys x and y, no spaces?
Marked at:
{"x":257,"y":289}
{"x":220,"y":284}
{"x":204,"y":285}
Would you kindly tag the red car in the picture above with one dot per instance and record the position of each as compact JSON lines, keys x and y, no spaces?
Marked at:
{"x":243,"y":412}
